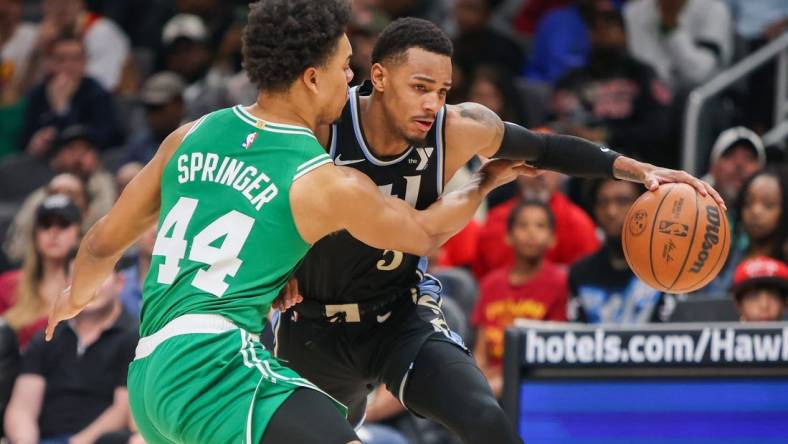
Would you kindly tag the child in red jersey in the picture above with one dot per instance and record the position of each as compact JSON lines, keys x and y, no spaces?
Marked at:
{"x":532,"y":288}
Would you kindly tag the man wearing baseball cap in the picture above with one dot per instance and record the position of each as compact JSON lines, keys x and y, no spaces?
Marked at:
{"x":737,"y":154}
{"x":760,"y":288}
{"x":162,"y":97}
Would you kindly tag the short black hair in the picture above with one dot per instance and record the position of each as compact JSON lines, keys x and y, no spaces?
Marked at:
{"x":282,"y":38}
{"x":409,"y":32}
{"x":526,"y":203}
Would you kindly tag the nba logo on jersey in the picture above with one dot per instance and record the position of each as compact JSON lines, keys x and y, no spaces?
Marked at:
{"x":249,"y":140}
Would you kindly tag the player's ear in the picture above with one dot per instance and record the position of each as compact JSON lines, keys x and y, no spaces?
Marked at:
{"x":311,"y":80}
{"x":508,"y":238}
{"x":379,"y":76}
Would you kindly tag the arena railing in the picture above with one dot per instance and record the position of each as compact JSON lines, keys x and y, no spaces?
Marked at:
{"x":778,"y":49}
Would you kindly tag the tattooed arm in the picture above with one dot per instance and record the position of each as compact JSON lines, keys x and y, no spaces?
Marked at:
{"x":474,"y":129}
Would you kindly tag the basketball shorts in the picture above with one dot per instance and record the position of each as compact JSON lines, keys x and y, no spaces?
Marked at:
{"x":201,"y":379}
{"x":348,"y":359}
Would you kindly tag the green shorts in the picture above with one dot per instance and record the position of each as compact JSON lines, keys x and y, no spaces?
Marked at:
{"x":201,"y":379}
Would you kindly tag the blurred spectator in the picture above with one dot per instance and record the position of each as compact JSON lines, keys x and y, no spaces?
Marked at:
{"x":17,"y":42}
{"x":614,"y":99}
{"x":140,"y":20}
{"x":763,"y":216}
{"x":561,"y":40}
{"x":25,"y":294}
{"x":217,"y":15}
{"x":532,"y":288}
{"x":71,"y":186}
{"x":364,"y":33}
{"x":760,"y":288}
{"x":125,"y":174}
{"x":574,"y":230}
{"x":685,"y":41}
{"x":76,"y":154}
{"x":603,"y":288}
{"x":134,"y":276}
{"x":67,"y":97}
{"x":73,"y":388}
{"x":757,"y":23}
{"x":532,"y":11}
{"x":436,"y":11}
{"x":760,"y":228}
{"x":478,"y":43}
{"x":764,"y":19}
{"x":9,"y":365}
{"x":189,"y":55}
{"x":106,"y":48}
{"x":162,"y":96}
{"x":494,"y":88}
{"x":737,"y":154}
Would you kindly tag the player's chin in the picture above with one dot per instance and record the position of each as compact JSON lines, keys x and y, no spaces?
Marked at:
{"x":416,"y":135}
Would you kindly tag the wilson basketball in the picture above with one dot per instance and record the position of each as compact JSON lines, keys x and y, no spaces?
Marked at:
{"x":674,"y":239}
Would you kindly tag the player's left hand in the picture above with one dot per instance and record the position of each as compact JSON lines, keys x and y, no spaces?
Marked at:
{"x":497,"y":172}
{"x":655,"y":176}
{"x":61,"y":310}
{"x":288,"y":297}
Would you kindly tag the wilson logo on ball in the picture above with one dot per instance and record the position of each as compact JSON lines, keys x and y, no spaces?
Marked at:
{"x":710,"y":239}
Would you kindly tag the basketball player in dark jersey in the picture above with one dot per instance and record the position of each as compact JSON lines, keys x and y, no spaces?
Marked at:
{"x":367,"y":316}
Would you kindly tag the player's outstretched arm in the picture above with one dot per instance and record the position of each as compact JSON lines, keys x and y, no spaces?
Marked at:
{"x":136,"y":209}
{"x":333,"y":198}
{"x":475,"y":128}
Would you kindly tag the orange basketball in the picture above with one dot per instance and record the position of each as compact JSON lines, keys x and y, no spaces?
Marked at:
{"x":674,"y":239}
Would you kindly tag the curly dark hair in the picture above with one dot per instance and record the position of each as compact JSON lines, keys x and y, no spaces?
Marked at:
{"x":282,"y":38}
{"x":405,"y":33}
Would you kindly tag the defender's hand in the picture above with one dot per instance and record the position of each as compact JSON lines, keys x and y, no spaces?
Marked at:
{"x":62,"y":309}
{"x":497,"y":172}
{"x":288,"y":297}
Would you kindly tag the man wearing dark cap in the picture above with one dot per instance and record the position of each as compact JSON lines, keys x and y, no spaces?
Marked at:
{"x":162,"y":97}
{"x":57,"y":209}
{"x":737,"y":154}
{"x":760,"y":289}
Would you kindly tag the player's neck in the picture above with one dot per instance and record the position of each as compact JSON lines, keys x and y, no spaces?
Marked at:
{"x":381,"y":135}
{"x":524,"y":269}
{"x":283,"y":108}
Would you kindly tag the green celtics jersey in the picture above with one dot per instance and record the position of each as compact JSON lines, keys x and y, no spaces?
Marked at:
{"x":226,"y":241}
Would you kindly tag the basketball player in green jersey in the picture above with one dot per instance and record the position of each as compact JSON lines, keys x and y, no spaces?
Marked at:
{"x":240,"y":195}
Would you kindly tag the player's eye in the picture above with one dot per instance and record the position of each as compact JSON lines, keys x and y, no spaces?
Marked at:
{"x":420,"y":87}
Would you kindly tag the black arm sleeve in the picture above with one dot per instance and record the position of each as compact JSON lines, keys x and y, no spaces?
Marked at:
{"x":566,"y":154}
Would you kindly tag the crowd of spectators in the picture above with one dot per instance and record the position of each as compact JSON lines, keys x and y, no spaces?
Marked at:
{"x":90,"y":88}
